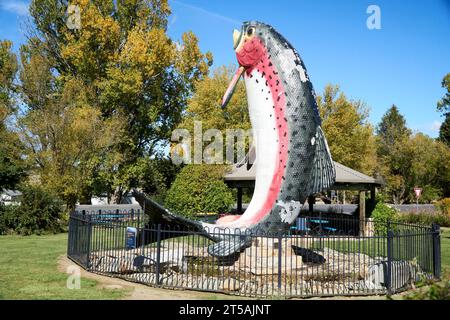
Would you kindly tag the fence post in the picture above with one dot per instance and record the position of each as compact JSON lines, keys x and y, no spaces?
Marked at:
{"x":436,"y":232}
{"x":70,"y":235}
{"x":280,"y":248}
{"x":158,"y":253}
{"x":89,"y":236}
{"x":139,"y":218}
{"x":390,"y":236}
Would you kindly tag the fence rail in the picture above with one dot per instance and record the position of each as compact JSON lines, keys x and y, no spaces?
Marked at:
{"x":322,"y":256}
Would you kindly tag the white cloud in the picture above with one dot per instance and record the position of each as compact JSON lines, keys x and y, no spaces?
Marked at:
{"x":435,"y":126}
{"x":18,"y":7}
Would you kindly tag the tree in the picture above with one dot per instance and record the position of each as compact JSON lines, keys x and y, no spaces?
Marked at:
{"x":391,"y":131}
{"x":205,"y":104}
{"x":392,"y":136}
{"x":444,"y":130}
{"x":11,"y":165}
{"x":443,"y":106}
{"x":189,"y":193}
{"x":407,"y":161}
{"x":205,"y":107}
{"x":349,"y":135}
{"x":131,"y":77}
{"x":68,"y":141}
{"x":199,"y":189}
{"x":425,"y":162}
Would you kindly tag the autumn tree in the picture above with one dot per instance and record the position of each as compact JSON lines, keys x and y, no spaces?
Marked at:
{"x":424,"y":162}
{"x":11,"y":164}
{"x":348,"y":132}
{"x":392,"y":136}
{"x":119,"y":72}
{"x":407,"y":161}
{"x":204,"y":107}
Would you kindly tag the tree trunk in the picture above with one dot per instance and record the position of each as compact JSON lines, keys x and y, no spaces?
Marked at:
{"x":85,"y":197}
{"x":117,"y":196}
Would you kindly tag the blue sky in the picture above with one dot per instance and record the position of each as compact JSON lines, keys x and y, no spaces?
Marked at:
{"x":401,"y":63}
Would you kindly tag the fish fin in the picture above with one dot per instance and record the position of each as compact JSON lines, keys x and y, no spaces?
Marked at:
{"x":227,"y":248}
{"x":249,"y":158}
{"x":323,"y":174}
{"x":156,"y":213}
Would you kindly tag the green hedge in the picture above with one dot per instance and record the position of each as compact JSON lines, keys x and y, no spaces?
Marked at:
{"x":199,"y":189}
{"x":39,"y":212}
{"x":425,"y":218}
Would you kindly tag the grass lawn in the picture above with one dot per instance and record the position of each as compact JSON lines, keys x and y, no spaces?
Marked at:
{"x":28,"y":270}
{"x":445,"y":253}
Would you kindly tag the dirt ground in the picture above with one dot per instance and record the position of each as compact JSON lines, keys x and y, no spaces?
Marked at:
{"x":136,"y":291}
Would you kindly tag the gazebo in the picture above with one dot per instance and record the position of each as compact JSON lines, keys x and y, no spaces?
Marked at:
{"x":243,"y":176}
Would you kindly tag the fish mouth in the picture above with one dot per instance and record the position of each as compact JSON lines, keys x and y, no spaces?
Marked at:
{"x":230,"y":90}
{"x":237,"y":36}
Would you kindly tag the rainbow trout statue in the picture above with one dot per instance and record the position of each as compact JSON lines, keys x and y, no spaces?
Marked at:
{"x":293,"y":160}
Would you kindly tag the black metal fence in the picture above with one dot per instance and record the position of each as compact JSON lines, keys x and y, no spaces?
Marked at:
{"x":320,"y":257}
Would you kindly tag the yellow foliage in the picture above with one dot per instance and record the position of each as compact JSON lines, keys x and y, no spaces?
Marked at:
{"x":349,"y":135}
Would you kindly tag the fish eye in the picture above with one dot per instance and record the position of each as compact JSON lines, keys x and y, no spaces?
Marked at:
{"x":250,"y":31}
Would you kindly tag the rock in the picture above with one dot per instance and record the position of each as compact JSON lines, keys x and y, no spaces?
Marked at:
{"x":308,"y":256}
{"x":231,"y":285}
{"x":402,"y":274}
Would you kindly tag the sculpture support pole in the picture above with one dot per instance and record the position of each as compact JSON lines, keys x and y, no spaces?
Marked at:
{"x":311,"y":201}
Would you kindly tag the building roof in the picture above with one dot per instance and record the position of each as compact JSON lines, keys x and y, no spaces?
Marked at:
{"x":344,"y":175}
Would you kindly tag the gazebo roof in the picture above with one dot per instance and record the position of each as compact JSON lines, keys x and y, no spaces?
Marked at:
{"x":344,"y":175}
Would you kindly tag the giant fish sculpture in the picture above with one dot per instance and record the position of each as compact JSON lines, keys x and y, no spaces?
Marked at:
{"x":292,"y":156}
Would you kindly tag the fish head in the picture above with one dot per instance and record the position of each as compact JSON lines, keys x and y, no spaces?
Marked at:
{"x":249,"y":45}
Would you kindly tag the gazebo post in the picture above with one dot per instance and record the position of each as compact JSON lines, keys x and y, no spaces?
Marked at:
{"x":239,"y":200}
{"x":372,"y":198}
{"x":362,"y":213}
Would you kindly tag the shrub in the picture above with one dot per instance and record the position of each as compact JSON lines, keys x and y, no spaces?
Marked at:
{"x":430,"y":290}
{"x":199,"y":189}
{"x":425,"y":218}
{"x":444,"y":206}
{"x":7,"y":218}
{"x":39,"y":212}
{"x":380,"y":215}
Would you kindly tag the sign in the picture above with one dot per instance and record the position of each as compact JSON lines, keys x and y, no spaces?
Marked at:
{"x":130,"y":240}
{"x":417,"y":191}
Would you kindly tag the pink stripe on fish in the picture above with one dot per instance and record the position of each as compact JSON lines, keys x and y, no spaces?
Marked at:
{"x":254,"y":50}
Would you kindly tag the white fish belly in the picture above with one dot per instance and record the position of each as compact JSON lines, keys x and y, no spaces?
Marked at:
{"x":265,"y":136}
